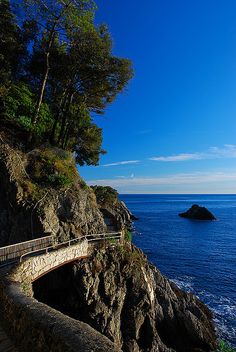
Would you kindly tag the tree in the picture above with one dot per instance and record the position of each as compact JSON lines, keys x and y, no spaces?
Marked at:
{"x":87,"y":76}
{"x":55,"y":18}
{"x":61,"y":72}
{"x":10,"y":46}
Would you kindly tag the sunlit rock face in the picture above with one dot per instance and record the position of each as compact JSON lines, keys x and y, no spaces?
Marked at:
{"x":30,"y":209}
{"x":124,"y":297}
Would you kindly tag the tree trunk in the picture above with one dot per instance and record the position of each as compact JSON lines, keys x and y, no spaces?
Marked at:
{"x":59,"y":113}
{"x":64,"y":119}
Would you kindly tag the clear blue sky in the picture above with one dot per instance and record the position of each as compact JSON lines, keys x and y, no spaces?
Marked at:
{"x":174,"y":128}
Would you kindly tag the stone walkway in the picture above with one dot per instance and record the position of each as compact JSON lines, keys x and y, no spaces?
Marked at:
{"x":5,"y":343}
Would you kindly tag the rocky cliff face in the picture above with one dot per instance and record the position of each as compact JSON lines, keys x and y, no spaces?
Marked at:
{"x":29,"y":210}
{"x":116,"y":291}
{"x":127,"y":299}
{"x":31,"y":206}
{"x":115,"y":212}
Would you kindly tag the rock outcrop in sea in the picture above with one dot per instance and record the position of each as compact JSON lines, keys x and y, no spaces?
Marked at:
{"x":198,"y":213}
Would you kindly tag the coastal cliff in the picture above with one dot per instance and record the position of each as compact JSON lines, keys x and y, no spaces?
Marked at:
{"x":41,"y":193}
{"x":116,"y":291}
{"x":120,"y":294}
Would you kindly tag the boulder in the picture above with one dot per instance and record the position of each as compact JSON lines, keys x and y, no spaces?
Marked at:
{"x":198,"y":213}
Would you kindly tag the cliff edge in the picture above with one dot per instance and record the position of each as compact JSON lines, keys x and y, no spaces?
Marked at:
{"x":120,"y":294}
{"x":116,"y":291}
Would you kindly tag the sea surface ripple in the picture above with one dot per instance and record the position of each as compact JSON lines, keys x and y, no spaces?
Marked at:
{"x":199,"y":256}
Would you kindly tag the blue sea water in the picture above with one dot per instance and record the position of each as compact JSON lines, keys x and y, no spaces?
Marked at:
{"x":199,"y":256}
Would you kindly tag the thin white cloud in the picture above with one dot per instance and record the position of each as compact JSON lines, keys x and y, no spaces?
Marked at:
{"x":228,"y":151}
{"x":177,"y":179}
{"x":179,"y":157}
{"x":122,"y":163}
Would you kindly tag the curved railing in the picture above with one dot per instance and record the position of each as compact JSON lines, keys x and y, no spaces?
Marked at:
{"x":47,"y":244}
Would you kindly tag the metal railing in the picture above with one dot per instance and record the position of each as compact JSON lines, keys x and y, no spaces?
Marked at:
{"x":14,"y":251}
{"x":54,"y":246}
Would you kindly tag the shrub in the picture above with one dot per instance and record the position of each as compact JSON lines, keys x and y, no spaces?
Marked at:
{"x":225,"y":347}
{"x":52,"y":167}
{"x":105,"y":195}
{"x":128,"y":236}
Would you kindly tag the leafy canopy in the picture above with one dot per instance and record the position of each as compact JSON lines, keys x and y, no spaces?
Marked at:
{"x":57,"y":70}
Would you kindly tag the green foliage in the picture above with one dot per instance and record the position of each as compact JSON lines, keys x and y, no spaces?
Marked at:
{"x":56,"y":69}
{"x":52,"y":167}
{"x":20,"y":105}
{"x":105,"y":195}
{"x":26,"y":288}
{"x":10,"y":45}
{"x":128,"y":236}
{"x":224,"y":347}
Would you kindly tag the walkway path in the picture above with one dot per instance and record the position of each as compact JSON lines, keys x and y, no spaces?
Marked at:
{"x":35,"y":248}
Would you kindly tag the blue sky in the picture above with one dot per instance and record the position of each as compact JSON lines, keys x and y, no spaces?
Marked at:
{"x":173,"y":130}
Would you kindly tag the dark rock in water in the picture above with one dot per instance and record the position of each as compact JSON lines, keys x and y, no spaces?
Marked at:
{"x":120,"y":294}
{"x":198,"y":213}
{"x":133,"y":217}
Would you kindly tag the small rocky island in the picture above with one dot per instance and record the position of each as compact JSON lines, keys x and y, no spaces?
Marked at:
{"x":198,"y":213}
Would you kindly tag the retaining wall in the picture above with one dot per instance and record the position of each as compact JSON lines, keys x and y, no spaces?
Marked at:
{"x":34,"y":326}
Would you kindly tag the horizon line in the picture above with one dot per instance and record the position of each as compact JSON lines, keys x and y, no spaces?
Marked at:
{"x":184,"y":194}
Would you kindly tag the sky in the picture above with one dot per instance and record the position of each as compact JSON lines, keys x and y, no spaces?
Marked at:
{"x":173,"y":129}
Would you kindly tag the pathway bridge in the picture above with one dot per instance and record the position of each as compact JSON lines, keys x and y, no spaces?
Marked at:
{"x":23,"y":317}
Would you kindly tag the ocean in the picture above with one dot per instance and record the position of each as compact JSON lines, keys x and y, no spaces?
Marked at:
{"x":199,"y":256}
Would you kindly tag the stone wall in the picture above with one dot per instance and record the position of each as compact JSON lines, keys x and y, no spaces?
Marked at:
{"x":34,"y":326}
{"x":34,"y":267}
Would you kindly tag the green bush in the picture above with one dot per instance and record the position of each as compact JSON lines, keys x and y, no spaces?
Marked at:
{"x":128,"y":236}
{"x":105,"y":195}
{"x":52,"y":167}
{"x":225,"y":347}
{"x":19,"y":106}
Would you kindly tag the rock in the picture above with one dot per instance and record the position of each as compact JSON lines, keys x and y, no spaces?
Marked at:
{"x":116,"y":291}
{"x":116,"y":214}
{"x":29,"y":211}
{"x":198,"y":213}
{"x":120,"y":294}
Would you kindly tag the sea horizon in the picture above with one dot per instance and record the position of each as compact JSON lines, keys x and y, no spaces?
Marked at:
{"x":195,"y":255}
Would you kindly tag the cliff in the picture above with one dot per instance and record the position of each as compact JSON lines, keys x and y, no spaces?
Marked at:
{"x":42,"y":193}
{"x":120,"y":294}
{"x":116,"y":291}
{"x":115,"y":212}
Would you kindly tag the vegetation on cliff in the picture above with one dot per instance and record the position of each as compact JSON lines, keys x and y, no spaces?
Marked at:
{"x":57,"y":69}
{"x":225,"y":347}
{"x":105,"y":195}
